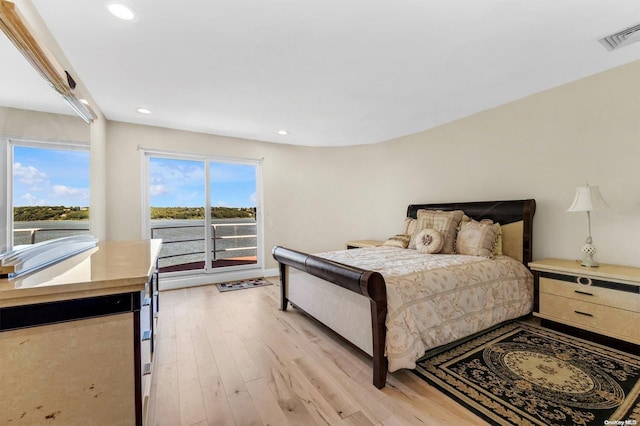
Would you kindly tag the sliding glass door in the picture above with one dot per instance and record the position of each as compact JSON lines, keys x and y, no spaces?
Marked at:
{"x":205,"y":211}
{"x":177,"y":212}
{"x":234,"y":228}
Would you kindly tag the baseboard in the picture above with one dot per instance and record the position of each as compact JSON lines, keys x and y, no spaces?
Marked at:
{"x":273,"y":272}
{"x":168,"y":282}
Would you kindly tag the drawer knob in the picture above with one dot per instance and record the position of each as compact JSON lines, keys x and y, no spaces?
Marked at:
{"x":583,"y":280}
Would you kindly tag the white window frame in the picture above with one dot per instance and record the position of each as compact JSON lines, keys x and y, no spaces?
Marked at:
{"x":147,"y":153}
{"x":6,"y":177}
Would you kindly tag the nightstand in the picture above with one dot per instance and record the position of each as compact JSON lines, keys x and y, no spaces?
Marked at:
{"x":603,"y":300}
{"x":363,"y":243}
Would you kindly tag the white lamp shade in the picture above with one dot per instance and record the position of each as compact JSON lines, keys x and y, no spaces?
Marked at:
{"x":587,"y":199}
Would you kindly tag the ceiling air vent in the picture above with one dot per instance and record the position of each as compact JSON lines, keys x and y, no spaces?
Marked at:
{"x":621,"y":38}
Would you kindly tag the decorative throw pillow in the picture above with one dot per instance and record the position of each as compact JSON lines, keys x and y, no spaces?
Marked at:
{"x":400,"y":240}
{"x":409,"y":226}
{"x":429,"y":241}
{"x":445,"y":222}
{"x":476,"y":238}
{"x":497,"y":245}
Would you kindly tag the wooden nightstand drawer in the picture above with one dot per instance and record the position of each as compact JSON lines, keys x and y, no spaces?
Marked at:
{"x":604,"y":300}
{"x":603,"y":319}
{"x":587,"y":293}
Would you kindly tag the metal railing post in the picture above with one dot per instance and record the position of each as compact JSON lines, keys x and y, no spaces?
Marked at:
{"x":215,"y":247}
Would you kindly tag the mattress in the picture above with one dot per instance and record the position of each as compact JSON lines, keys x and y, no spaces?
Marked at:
{"x":437,"y":299}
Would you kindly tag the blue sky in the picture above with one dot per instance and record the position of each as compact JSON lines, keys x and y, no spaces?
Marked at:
{"x":181,"y":183}
{"x":54,"y":177}
{"x":50,"y":177}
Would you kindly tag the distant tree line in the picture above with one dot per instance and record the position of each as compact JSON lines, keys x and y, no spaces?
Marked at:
{"x":198,"y":212}
{"x":35,"y":213}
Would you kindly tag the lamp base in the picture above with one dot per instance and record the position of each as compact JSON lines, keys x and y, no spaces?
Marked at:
{"x":588,"y":261}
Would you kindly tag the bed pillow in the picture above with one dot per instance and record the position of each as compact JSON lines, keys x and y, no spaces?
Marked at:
{"x":445,"y":222}
{"x":429,"y":241}
{"x":497,"y":245}
{"x":409,"y":226}
{"x":476,"y":238}
{"x":400,"y":240}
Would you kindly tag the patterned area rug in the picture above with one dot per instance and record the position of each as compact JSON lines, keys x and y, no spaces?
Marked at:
{"x":239,"y":285}
{"x":520,"y":374}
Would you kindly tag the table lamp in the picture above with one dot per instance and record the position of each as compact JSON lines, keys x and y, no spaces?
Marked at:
{"x":588,"y":199}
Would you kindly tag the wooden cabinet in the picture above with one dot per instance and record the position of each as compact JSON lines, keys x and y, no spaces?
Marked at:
{"x":148,"y":335}
{"x":76,"y":338}
{"x":603,"y":300}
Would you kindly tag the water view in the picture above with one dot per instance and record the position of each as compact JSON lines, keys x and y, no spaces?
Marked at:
{"x":50,"y":186}
{"x":231,"y":239}
{"x":183,"y":240}
{"x":42,"y":230}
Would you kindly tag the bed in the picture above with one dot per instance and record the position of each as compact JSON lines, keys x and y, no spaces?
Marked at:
{"x":395,"y":303}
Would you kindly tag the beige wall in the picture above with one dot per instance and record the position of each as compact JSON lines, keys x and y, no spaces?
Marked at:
{"x":306,"y":191}
{"x":315,"y":199}
{"x":540,"y":147}
{"x":543,"y":147}
{"x":19,"y":123}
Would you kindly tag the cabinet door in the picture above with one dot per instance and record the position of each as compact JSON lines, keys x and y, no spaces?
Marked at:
{"x":77,"y":372}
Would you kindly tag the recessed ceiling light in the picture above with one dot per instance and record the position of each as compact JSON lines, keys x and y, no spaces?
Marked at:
{"x":122,"y":11}
{"x":84,"y":101}
{"x":283,"y":132}
{"x":143,"y":111}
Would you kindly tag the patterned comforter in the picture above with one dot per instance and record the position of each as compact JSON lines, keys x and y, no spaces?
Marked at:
{"x":437,"y":299}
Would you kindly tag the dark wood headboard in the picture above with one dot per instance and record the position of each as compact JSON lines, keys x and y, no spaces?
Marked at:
{"x":503,"y":212}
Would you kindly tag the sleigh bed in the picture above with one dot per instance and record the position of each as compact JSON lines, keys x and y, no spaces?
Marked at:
{"x":395,"y":303}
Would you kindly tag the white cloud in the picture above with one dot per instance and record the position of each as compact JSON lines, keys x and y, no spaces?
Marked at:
{"x":185,"y":172}
{"x":28,"y":174}
{"x":252,"y":198}
{"x":158,"y":189}
{"x":32,"y":200}
{"x":66,"y":191}
{"x":156,"y":180}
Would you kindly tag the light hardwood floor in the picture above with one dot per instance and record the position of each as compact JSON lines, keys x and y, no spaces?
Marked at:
{"x":234,"y":359}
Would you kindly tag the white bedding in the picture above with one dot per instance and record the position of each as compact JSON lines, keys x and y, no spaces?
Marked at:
{"x":437,"y":299}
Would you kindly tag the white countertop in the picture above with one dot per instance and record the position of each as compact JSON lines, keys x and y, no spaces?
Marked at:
{"x":110,"y":268}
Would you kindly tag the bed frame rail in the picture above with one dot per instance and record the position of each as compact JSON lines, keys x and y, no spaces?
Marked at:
{"x":366,"y":283}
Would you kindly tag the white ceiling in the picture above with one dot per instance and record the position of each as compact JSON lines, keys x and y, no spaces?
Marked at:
{"x":331,"y":72}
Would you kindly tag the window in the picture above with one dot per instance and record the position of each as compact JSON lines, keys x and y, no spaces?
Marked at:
{"x":205,"y":210}
{"x":47,"y":193}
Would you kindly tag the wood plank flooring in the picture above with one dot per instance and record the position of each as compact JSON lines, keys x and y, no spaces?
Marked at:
{"x":234,"y":359}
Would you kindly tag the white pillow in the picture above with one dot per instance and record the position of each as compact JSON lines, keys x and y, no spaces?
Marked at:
{"x":429,"y":241}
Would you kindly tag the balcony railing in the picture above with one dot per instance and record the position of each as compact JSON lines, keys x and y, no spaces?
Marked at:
{"x":33,"y":232}
{"x":183,"y":247}
{"x":179,"y":254}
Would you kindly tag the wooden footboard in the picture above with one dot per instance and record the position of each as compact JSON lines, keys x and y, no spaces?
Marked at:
{"x":366,"y":283}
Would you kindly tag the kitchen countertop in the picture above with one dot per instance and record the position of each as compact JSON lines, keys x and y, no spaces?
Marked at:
{"x":112,"y":267}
